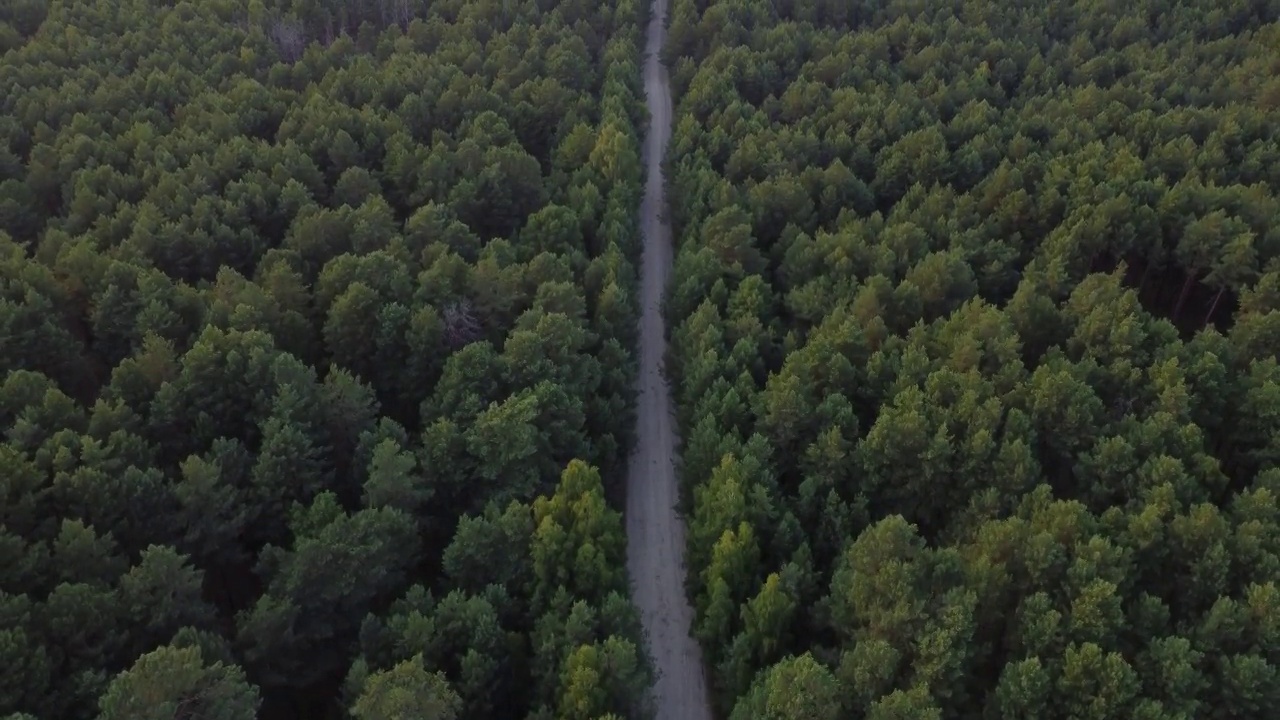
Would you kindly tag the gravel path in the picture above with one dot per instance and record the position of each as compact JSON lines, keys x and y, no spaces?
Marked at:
{"x":655,"y":532}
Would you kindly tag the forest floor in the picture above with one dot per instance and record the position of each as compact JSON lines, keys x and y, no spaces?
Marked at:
{"x":655,"y":530}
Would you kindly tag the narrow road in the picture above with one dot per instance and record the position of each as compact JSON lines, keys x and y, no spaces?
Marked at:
{"x":655,"y":532}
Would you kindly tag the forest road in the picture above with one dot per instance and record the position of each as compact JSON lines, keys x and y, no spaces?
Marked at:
{"x":655,"y":531}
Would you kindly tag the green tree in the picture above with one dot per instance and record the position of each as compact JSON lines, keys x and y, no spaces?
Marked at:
{"x":170,"y":682}
{"x":578,"y":541}
{"x":406,"y":691}
{"x":794,"y":688}
{"x":318,"y":591}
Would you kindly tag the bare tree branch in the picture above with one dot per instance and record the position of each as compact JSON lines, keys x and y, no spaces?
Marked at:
{"x":460,"y":324}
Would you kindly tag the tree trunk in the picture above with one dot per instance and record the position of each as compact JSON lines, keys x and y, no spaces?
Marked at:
{"x":1146,"y":273}
{"x":1182,"y":298}
{"x":1214,"y":306}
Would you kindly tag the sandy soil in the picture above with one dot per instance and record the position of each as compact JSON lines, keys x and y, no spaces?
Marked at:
{"x":655,"y":532}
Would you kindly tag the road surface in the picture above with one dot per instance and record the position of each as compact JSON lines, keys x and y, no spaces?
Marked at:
{"x":655,"y":532}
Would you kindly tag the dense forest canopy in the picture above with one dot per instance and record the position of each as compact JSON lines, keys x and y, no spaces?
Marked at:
{"x":316,"y":322}
{"x":975,"y":324}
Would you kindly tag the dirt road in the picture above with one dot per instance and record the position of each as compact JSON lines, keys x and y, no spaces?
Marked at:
{"x":655,"y":532}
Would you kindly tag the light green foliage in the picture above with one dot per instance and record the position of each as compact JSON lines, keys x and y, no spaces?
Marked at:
{"x":406,"y":691}
{"x":798,"y":688}
{"x":169,"y":682}
{"x":578,"y":541}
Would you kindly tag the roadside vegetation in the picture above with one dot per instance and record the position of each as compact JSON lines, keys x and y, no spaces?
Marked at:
{"x":316,"y":322}
{"x":975,"y":324}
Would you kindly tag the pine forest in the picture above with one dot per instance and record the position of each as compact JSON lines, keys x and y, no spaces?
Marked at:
{"x":325,"y":347}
